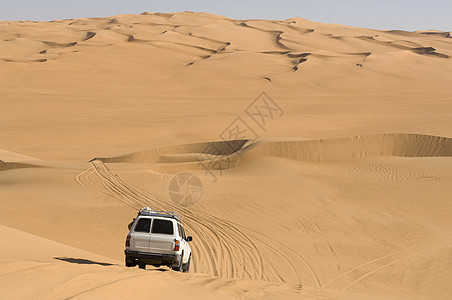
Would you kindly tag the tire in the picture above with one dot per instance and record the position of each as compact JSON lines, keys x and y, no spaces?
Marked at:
{"x":142,"y":266}
{"x":178,"y":268}
{"x":186,"y":267}
{"x":129,"y":262}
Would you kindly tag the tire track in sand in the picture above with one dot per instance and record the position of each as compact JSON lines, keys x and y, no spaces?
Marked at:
{"x":221,"y":248}
{"x":213,"y":237}
{"x":359,"y":273}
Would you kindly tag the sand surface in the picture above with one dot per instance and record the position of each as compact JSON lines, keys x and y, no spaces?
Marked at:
{"x":336,"y":182}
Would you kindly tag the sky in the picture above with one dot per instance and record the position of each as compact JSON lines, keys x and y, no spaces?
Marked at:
{"x":382,"y":14}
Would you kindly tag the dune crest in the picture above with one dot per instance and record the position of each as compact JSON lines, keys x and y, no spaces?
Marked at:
{"x":228,"y":154}
{"x":339,"y":149}
{"x":14,"y":165}
{"x":214,"y":39}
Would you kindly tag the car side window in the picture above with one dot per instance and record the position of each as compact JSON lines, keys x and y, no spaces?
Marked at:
{"x":143,"y":225}
{"x":181,"y":231}
{"x":162,"y":226}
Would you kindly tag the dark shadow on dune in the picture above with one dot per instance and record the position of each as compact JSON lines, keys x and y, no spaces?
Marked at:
{"x":89,"y":35}
{"x":428,"y":50}
{"x":82,"y":261}
{"x":14,"y":165}
{"x":444,"y":34}
{"x":59,"y":45}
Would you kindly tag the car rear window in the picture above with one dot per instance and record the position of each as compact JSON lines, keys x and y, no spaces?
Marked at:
{"x":162,"y":226}
{"x":143,"y":225}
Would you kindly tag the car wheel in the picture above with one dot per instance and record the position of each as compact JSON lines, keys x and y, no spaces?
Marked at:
{"x":129,"y":262}
{"x":142,"y":266}
{"x":178,"y":267}
{"x":186,"y":267}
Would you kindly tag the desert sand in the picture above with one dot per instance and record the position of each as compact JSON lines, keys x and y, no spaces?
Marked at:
{"x":324,"y":151}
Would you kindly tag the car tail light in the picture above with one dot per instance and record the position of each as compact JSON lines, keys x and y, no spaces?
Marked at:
{"x":177,"y":246}
{"x":128,"y":241}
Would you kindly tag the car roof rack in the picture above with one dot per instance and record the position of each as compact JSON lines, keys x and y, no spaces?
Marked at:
{"x":147,"y":211}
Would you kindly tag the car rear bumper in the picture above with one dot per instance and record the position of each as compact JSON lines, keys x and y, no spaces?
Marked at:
{"x":154,"y":258}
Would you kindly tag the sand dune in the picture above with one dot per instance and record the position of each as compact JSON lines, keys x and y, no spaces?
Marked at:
{"x":58,"y":271}
{"x":8,"y":156}
{"x":12,"y":165}
{"x":10,"y":160}
{"x":223,"y":155}
{"x":339,"y":149}
{"x":344,"y":195}
{"x":334,"y":80}
{"x":214,"y":36}
{"x":153,"y":155}
{"x":353,"y":231}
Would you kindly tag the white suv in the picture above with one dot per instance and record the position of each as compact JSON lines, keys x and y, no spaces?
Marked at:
{"x":157,"y":238}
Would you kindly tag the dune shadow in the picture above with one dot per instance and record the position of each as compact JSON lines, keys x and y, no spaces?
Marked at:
{"x":82,"y":261}
{"x":4,"y":166}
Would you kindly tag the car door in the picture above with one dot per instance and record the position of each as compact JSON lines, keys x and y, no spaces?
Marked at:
{"x":140,"y":236}
{"x":162,"y":236}
{"x":184,"y":244}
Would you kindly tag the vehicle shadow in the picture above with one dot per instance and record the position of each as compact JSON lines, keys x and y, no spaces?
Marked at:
{"x":157,"y":269}
{"x":82,"y":261}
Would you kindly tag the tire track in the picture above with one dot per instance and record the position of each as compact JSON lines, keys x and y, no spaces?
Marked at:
{"x":83,"y":175}
{"x":211,"y":237}
{"x":357,"y":274}
{"x":266,"y":240}
{"x":40,"y":265}
{"x":191,"y":223}
{"x":103,"y":285}
{"x":222,"y":249}
{"x":385,"y":266}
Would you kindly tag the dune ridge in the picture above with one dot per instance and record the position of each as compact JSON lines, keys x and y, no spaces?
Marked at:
{"x":222,"y":153}
{"x":153,"y":155}
{"x":14,"y":165}
{"x":210,"y":38}
{"x":11,"y":160}
{"x":339,"y":149}
{"x":8,"y":156}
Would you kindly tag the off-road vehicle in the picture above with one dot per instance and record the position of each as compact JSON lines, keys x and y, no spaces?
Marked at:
{"x":158,"y":238}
